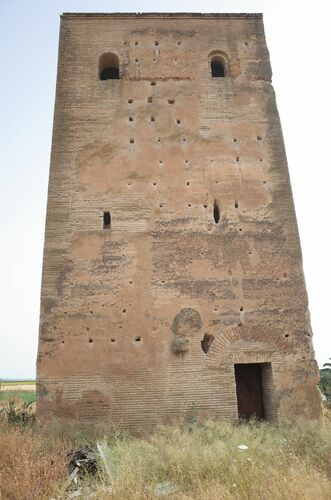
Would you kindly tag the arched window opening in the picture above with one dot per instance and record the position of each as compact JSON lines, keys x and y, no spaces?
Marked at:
{"x":217,"y":67}
{"x":109,"y":67}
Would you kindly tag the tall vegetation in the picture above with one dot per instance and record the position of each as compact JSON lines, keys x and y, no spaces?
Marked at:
{"x":210,"y":461}
{"x":195,"y":461}
{"x":325,"y":382}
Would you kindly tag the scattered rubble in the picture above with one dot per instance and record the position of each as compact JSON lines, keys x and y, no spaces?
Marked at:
{"x":82,"y":461}
{"x":87,"y":461}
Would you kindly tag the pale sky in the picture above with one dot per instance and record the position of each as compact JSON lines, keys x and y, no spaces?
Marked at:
{"x":298,"y":37}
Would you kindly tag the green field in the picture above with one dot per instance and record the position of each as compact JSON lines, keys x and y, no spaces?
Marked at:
{"x":17,"y":396}
{"x":20,"y":391}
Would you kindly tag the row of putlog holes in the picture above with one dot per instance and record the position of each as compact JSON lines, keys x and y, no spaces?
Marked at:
{"x":216,"y":214}
{"x":205,"y":342}
{"x":178,"y":121}
{"x":112,"y":340}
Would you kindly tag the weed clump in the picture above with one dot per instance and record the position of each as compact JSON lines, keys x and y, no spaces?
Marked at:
{"x":18,"y":415}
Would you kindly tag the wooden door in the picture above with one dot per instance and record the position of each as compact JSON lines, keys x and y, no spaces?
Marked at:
{"x":249,"y":390}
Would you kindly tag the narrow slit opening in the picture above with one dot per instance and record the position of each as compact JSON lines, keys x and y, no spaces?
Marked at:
{"x":106,"y":220}
{"x":216,"y":212}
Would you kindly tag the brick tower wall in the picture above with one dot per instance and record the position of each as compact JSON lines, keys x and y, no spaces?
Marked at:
{"x":124,"y":309}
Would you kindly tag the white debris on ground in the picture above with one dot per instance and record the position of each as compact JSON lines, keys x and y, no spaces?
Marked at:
{"x":88,"y":494}
{"x":106,"y":459}
{"x":242,"y":447}
{"x":166,"y":488}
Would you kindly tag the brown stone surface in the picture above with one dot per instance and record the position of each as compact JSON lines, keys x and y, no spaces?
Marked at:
{"x":124,"y":310}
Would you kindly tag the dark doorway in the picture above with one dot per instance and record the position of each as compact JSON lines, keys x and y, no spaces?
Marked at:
{"x":249,"y":390}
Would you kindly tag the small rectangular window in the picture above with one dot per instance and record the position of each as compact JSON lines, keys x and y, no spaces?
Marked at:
{"x":106,"y":220}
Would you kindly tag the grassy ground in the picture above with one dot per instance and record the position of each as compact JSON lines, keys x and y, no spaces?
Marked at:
{"x":17,"y":396}
{"x":197,"y":462}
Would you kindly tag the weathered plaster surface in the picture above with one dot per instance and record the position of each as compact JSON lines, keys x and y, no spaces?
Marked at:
{"x":115,"y":302}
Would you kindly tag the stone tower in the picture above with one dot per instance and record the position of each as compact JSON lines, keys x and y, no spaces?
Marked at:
{"x":172,"y":280}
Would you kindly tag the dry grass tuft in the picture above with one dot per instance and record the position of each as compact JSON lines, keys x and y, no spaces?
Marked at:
{"x":32,"y":465}
{"x":206,"y":463}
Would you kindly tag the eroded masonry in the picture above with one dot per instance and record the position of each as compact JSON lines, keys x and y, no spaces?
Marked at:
{"x":172,"y":282}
